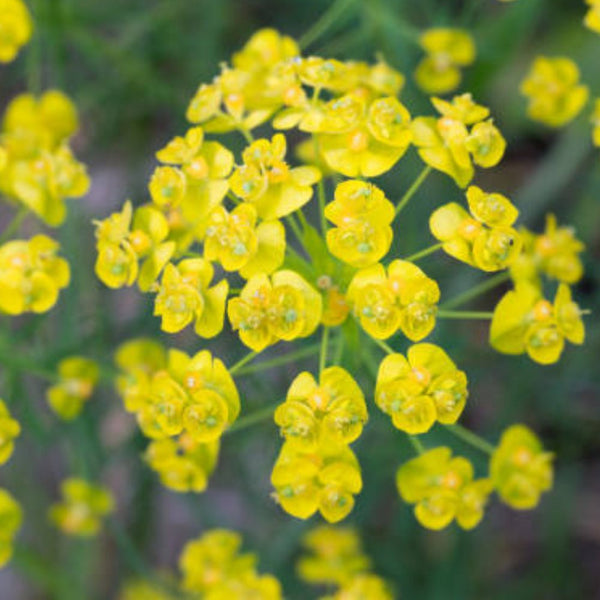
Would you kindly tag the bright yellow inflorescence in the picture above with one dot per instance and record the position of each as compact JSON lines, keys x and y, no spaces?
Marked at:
{"x":15,"y":28}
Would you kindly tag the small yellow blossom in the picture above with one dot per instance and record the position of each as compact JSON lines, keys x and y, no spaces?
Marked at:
{"x":443,"y":489}
{"x":524,"y":321}
{"x":284,"y":307}
{"x":15,"y":28}
{"x":362,"y":215}
{"x":592,"y":17}
{"x":447,"y":50}
{"x":363,"y":586}
{"x":596,"y":120}
{"x":331,"y":412}
{"x":420,"y":389}
{"x":11,"y":517}
{"x":9,"y":431}
{"x":31,"y":275}
{"x":77,"y":377}
{"x":484,"y":238}
{"x":324,"y":480}
{"x":553,"y":90}
{"x":520,"y":469}
{"x":82,"y":509}
{"x":402,"y":298}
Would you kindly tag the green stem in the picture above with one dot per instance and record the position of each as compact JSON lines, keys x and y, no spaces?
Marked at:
{"x":320,"y":190}
{"x":477,"y":290}
{"x":412,"y":190}
{"x":323,"y":351}
{"x":280,"y":360}
{"x":240,"y":363}
{"x":471,"y":438}
{"x":423,"y":253}
{"x":256,"y":417}
{"x":246,"y":133}
{"x":416,"y":443}
{"x":463,"y":314}
{"x":14,"y":225}
{"x":385,"y":347}
{"x":331,"y":16}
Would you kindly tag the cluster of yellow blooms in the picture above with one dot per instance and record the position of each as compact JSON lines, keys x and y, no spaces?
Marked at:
{"x":336,"y":558}
{"x":211,"y":245}
{"x":15,"y":28}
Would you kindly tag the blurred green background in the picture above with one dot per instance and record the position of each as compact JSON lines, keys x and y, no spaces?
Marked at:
{"x":132,"y":66}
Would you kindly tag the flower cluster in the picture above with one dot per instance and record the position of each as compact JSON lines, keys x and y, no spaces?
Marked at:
{"x":15,"y":28}
{"x":336,"y":558}
{"x":316,"y":470}
{"x":592,"y":17}
{"x":213,"y":567}
{"x":82,"y":508}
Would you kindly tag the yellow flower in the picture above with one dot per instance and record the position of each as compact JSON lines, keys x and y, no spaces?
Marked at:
{"x":213,"y":567}
{"x":420,"y":389}
{"x":184,"y":465}
{"x":283,"y":307}
{"x":82,"y":508}
{"x":592,"y":17}
{"x":520,"y":469}
{"x":9,"y":431}
{"x":336,"y":556}
{"x":403,"y":298}
{"x":484,"y":238}
{"x":446,"y":143}
{"x":362,"y":215}
{"x":363,"y":586}
{"x":138,"y":589}
{"x":15,"y":28}
{"x":31,"y":275}
{"x":331,"y":412}
{"x":184,"y":296}
{"x":266,"y":180}
{"x":443,"y":489}
{"x":596,"y":118}
{"x":77,"y":377}
{"x":238,"y":243}
{"x":553,"y":90}
{"x":196,"y":395}
{"x":325,"y":480}
{"x":524,"y":321}
{"x":362,"y":137}
{"x":447,"y":50}
{"x":11,"y":517}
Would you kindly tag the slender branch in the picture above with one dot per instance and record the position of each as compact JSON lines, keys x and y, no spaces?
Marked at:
{"x":463,"y":314}
{"x":238,"y":365}
{"x":14,"y":225}
{"x":471,"y":438}
{"x":416,"y":443}
{"x":280,"y":360}
{"x":256,"y":417}
{"x":320,"y":187}
{"x":385,"y":347}
{"x":412,"y":190}
{"x":423,"y":253}
{"x":331,"y":16}
{"x":477,"y":290}
{"x":323,"y":351}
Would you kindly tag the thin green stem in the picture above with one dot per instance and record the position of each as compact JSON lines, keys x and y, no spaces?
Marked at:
{"x":385,"y":347}
{"x":246,"y":133}
{"x":464,"y":314}
{"x":477,"y":290}
{"x":296,"y":229}
{"x":320,"y":191}
{"x":423,"y":253}
{"x":240,"y":363}
{"x":280,"y":360}
{"x":416,"y":443}
{"x":331,"y":16}
{"x":323,"y":351}
{"x":302,"y":219}
{"x":412,"y":190}
{"x":256,"y":417}
{"x":14,"y":225}
{"x":471,"y":438}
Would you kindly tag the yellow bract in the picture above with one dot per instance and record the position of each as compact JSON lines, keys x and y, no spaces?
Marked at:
{"x":11,"y":517}
{"x":324,"y":480}
{"x":446,"y":143}
{"x":402,"y":298}
{"x":520,"y":469}
{"x":592,"y":17}
{"x":447,"y":50}
{"x":82,"y":508}
{"x":15,"y":28}
{"x":284,"y":307}
{"x":184,"y":296}
{"x":31,"y":275}
{"x":484,"y":238}
{"x":184,"y":465}
{"x":9,"y":431}
{"x":420,"y":389}
{"x":77,"y":377}
{"x":524,"y":321}
{"x":362,"y":215}
{"x":331,"y":412}
{"x":213,"y":567}
{"x":443,"y":489}
{"x":553,"y":90}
